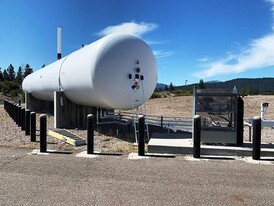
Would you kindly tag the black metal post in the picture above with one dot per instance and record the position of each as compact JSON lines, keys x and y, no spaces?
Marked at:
{"x":33,"y":127}
{"x":23,"y":119}
{"x":257,"y":125}
{"x":19,"y":102}
{"x":43,"y":133}
{"x":141,"y":136}
{"x":240,"y":122}
{"x":162,"y":125}
{"x":196,"y":136}
{"x":90,"y":134}
{"x":16,"y":114}
{"x":27,"y":122}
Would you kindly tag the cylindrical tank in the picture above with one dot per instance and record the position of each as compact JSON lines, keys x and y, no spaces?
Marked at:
{"x":118,"y":71}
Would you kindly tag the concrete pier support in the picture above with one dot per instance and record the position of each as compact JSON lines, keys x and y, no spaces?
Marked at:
{"x":67,"y":114}
{"x":38,"y":105}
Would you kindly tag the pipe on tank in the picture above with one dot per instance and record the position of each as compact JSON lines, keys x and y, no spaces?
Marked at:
{"x":59,"y":42}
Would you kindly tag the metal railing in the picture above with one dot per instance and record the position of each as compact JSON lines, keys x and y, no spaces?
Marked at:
{"x":169,"y":123}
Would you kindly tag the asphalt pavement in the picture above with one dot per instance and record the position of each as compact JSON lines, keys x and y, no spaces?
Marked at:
{"x":64,"y":179}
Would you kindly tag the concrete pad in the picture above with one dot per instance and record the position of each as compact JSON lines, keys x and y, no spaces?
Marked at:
{"x":210,"y":158}
{"x":135,"y":156}
{"x":167,"y":145}
{"x":86,"y":155}
{"x":262,"y":161}
{"x":37,"y":152}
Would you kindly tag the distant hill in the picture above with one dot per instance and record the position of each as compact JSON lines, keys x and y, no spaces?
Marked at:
{"x":254,"y":85}
{"x":160,"y":86}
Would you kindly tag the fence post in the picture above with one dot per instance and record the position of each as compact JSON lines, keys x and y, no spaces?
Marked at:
{"x":90,"y":134}
{"x":43,"y":133}
{"x":27,"y":123}
{"x":141,"y":139}
{"x":257,"y":124}
{"x":23,"y":119}
{"x":197,"y":136}
{"x":33,"y":127}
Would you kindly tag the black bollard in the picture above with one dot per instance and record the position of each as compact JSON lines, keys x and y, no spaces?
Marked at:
{"x":19,"y":116}
{"x":33,"y":127}
{"x":196,"y":136}
{"x":19,"y":102}
{"x":141,"y":136}
{"x":13,"y":111}
{"x":23,"y":119}
{"x":27,"y":122}
{"x":257,"y":125}
{"x":43,"y":133}
{"x":90,"y":134}
{"x":16,"y":114}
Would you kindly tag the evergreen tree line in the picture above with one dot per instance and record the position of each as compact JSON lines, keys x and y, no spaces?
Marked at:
{"x":11,"y":81}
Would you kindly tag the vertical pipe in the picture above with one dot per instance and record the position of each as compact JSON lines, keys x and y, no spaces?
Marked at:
{"x":141,"y":134}
{"x":43,"y":133}
{"x":197,"y":136}
{"x":23,"y":119}
{"x":33,"y":127}
{"x":90,"y":134}
{"x":257,"y":124}
{"x":27,"y":123}
{"x":59,"y":42}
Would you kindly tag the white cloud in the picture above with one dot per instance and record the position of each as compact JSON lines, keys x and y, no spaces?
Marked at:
{"x":204,"y":59}
{"x":161,"y":54}
{"x":137,"y":29}
{"x":258,"y":54}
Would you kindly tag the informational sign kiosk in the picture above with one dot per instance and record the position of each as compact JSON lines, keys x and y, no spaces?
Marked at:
{"x":221,"y":112}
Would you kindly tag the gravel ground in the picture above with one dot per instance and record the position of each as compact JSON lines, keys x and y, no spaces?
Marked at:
{"x":12,"y":136}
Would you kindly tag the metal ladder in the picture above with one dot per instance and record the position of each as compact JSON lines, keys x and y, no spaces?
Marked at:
{"x":135,"y":115}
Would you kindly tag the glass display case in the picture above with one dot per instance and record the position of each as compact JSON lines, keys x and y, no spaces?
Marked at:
{"x":218,"y":111}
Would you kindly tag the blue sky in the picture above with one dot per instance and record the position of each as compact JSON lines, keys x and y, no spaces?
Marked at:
{"x":191,"y":39}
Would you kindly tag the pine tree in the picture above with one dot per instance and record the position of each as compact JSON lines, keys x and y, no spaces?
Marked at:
{"x":28,"y":70}
{"x":1,"y":76}
{"x":171,"y":87}
{"x":19,"y":76}
{"x":5,"y":75}
{"x":201,"y":84}
{"x":11,"y":73}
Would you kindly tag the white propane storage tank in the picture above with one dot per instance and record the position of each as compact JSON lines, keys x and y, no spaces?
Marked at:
{"x":118,"y":71}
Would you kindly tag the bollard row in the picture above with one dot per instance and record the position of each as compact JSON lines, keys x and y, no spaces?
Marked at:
{"x":25,"y":119}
